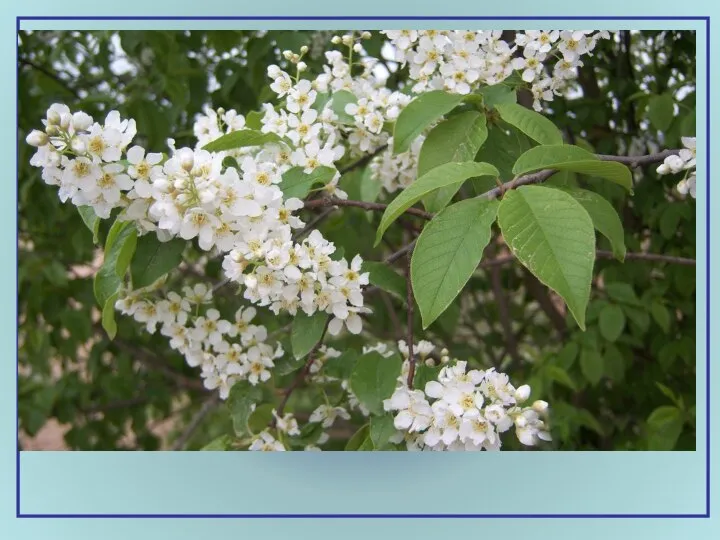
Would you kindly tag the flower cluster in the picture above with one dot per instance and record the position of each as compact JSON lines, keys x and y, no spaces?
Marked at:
{"x":81,"y":157}
{"x":237,"y":211}
{"x":226,"y":351}
{"x":460,"y":61}
{"x":463,"y":410}
{"x":684,"y":161}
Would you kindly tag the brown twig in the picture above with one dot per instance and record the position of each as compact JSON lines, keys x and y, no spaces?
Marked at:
{"x":325,"y":202}
{"x":322,"y":216}
{"x":410,"y":318}
{"x":504,"y":313}
{"x":363,"y":160}
{"x":206,"y":409}
{"x":301,"y":375}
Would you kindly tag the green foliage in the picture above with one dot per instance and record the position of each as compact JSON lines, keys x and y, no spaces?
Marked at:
{"x":419,"y":114}
{"x":297,"y":183}
{"x":447,"y":253}
{"x":307,"y":330}
{"x":640,"y":315}
{"x":449,"y":174}
{"x":240,"y":139}
{"x":455,"y":140}
{"x":552,"y":235}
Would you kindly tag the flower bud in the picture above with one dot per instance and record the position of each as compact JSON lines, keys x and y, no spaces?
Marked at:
{"x":36,"y":138}
{"x":347,"y":39}
{"x":287,"y":55}
{"x":663,"y":169}
{"x":522,"y":393}
{"x":335,"y":40}
{"x":220,"y":111}
{"x":366,"y":35}
{"x":295,"y":58}
{"x":302,"y":66}
{"x":65,"y":120}
{"x":304,"y":49}
{"x":53,"y":117}
{"x":81,"y":121}
{"x":357,"y":48}
{"x":187,"y":159}
{"x":540,"y":406}
{"x":52,"y":130}
{"x":77,"y":146}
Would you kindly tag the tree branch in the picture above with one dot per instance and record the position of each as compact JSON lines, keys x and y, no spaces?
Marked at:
{"x":363,"y":160}
{"x":300,"y":376}
{"x":410,"y":319}
{"x":45,"y":71}
{"x":206,"y":409}
{"x":325,"y":202}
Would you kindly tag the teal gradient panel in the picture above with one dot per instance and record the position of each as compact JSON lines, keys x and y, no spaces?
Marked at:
{"x":313,"y":482}
{"x":522,"y":482}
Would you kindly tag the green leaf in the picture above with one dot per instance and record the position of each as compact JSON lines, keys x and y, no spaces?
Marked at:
{"x":614,"y":363}
{"x":153,"y":259}
{"x":604,"y":218}
{"x":108,"y":316}
{"x":381,"y":275}
{"x":611,"y":322}
{"x":457,"y":139}
{"x":357,"y":440}
{"x":419,"y":114}
{"x":307,"y":330}
{"x":424,"y":374}
{"x":566,"y":157}
{"x":622,"y":293}
{"x":297,"y":183}
{"x":447,"y":253}
{"x":91,"y":220}
{"x":341,"y":367}
{"x":240,"y":402}
{"x":661,"y":111}
{"x":120,"y":242}
{"x":240,"y":139}
{"x":661,"y":314}
{"x":552,"y":235}
{"x":340,"y":99}
{"x":664,"y":425}
{"x":381,"y":429}
{"x":261,"y":417}
{"x":374,"y":379}
{"x":559,"y":375}
{"x":531,"y":123}
{"x":498,"y":94}
{"x":567,"y":355}
{"x":219,"y":444}
{"x":253,"y":120}
{"x":439,"y":177}
{"x":591,"y":365}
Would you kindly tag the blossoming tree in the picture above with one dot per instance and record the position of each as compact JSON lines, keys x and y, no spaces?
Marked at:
{"x":328,"y":261}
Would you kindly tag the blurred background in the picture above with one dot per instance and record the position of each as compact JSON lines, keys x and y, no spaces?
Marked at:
{"x":627,"y":383}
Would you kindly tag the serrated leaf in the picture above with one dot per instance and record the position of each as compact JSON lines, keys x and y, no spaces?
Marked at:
{"x":153,"y":259}
{"x":531,"y":123}
{"x":373,"y":379}
{"x":604,"y":218}
{"x":381,"y":275}
{"x":439,"y":177}
{"x":447,"y":253}
{"x":297,"y":183}
{"x":381,"y":429}
{"x":591,"y":365}
{"x":241,"y":139}
{"x":419,"y":114}
{"x":551,"y":234}
{"x":307,"y":330}
{"x":455,"y":140}
{"x":611,"y":322}
{"x":572,"y":158}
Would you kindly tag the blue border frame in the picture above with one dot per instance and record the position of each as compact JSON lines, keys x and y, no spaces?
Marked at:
{"x":706,"y":515}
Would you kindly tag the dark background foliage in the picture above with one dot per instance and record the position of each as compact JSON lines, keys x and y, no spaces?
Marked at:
{"x":627,"y":383}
